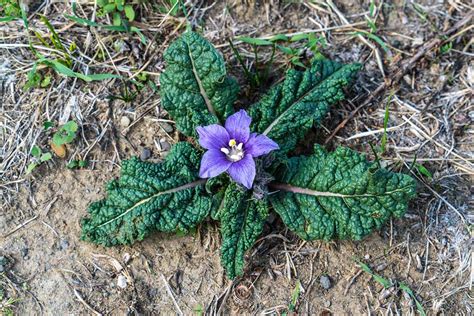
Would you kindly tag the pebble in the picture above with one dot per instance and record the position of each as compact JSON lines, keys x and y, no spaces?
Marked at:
{"x":145,"y":154}
{"x":24,"y":252}
{"x":167,"y":127}
{"x":63,"y":244}
{"x":122,"y":281}
{"x":165,"y":146}
{"x":124,"y":121}
{"x":3,"y":264}
{"x":325,"y":282}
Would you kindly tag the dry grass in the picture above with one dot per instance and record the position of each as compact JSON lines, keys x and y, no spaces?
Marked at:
{"x":430,"y":122}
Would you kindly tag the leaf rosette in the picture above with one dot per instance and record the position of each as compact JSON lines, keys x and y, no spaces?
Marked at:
{"x":326,"y":195}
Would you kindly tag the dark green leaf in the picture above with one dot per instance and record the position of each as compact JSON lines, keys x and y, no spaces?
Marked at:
{"x":293,"y":106}
{"x":338,"y":195}
{"x":47,"y":125}
{"x":36,"y":151}
{"x":242,"y":220}
{"x":167,"y":197}
{"x":195,"y":89}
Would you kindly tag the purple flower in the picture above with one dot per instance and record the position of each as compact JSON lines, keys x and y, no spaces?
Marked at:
{"x":232,"y":149}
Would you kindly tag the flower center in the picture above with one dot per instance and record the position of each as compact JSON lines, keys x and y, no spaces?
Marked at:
{"x":235,"y":152}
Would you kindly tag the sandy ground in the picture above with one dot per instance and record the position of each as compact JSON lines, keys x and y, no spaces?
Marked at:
{"x":46,"y":269}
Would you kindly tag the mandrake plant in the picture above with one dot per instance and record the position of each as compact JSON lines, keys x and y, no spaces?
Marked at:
{"x":240,"y":168}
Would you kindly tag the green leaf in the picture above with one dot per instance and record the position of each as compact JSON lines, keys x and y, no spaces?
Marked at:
{"x":293,"y":106}
{"x":129,"y":12}
{"x":36,"y":151}
{"x":338,"y":195}
{"x":167,"y":197}
{"x":109,"y":7}
{"x":195,"y":89}
{"x":254,"y":41}
{"x":46,"y":157}
{"x":73,"y":164}
{"x":47,"y":125}
{"x":31,"y":167}
{"x":242,"y":221}
{"x":383,"y":281}
{"x":70,"y":126}
{"x":116,"y":19}
{"x":422,"y":169}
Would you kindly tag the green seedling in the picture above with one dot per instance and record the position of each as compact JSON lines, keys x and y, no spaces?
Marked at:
{"x":170,"y":7}
{"x":118,"y":28}
{"x":122,"y":13}
{"x":388,"y":283}
{"x":77,"y":164}
{"x":66,"y":134}
{"x":38,"y":158}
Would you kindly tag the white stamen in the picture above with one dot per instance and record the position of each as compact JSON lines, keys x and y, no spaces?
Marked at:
{"x":235,"y":153}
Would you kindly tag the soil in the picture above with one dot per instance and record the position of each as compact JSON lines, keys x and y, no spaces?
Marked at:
{"x":50,"y":271}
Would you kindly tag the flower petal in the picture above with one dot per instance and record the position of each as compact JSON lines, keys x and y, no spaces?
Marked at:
{"x":213,"y":136}
{"x":258,"y":145}
{"x":238,"y":126}
{"x":243,"y":171}
{"x":213,"y":163}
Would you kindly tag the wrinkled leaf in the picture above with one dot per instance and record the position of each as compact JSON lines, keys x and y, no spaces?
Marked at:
{"x":167,"y":197}
{"x":195,"y":88}
{"x":242,"y":219}
{"x":338,"y":195}
{"x":293,"y":106}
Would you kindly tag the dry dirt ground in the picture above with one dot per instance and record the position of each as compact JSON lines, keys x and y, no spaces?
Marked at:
{"x":46,"y":269}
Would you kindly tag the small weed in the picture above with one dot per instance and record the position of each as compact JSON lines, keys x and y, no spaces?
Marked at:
{"x":122,"y":12}
{"x":118,"y":28}
{"x":312,"y":43}
{"x":77,"y":164}
{"x":66,"y":134}
{"x":388,"y":284}
{"x":38,"y":158}
{"x":294,"y":299}
{"x":446,"y":48}
{"x":9,"y":9}
{"x":170,"y":7}
{"x":62,"y":62}
{"x":199,"y":310}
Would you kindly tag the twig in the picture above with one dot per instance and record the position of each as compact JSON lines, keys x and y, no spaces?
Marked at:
{"x":403,"y":68}
{"x":170,"y":293}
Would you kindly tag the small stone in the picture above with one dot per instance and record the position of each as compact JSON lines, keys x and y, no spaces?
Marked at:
{"x":24,"y":252}
{"x":167,"y":127}
{"x":124,"y":121}
{"x":145,"y":154}
{"x":3,"y":264}
{"x":63,"y":244}
{"x":122,"y":281}
{"x":126,"y":258}
{"x":325,"y":282}
{"x":327,"y":303}
{"x":471,"y":115}
{"x":165,"y":146}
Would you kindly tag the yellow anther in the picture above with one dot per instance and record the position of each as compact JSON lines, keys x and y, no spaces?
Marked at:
{"x":232,"y":142}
